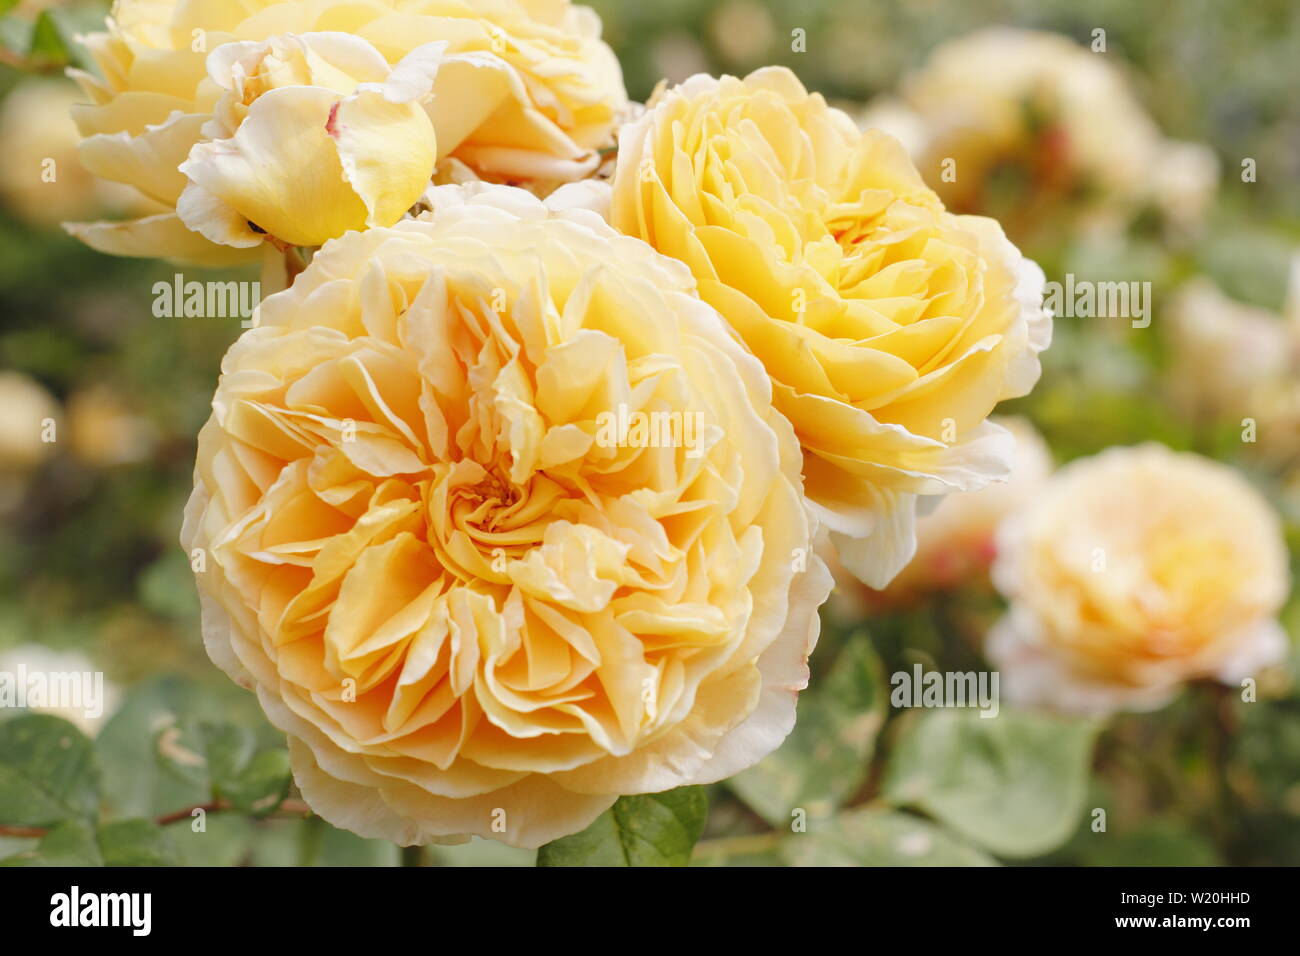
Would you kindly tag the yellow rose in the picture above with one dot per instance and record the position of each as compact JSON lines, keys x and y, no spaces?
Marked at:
{"x":524,"y":90}
{"x":1239,"y":364}
{"x":1026,"y":123}
{"x":25,"y":409}
{"x":42,"y":181}
{"x":314,"y":135}
{"x":1132,"y":572}
{"x":103,"y":430}
{"x":1223,"y":351}
{"x":890,"y":328}
{"x":445,"y":547}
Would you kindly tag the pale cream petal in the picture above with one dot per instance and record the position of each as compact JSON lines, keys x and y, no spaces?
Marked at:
{"x":163,"y":236}
{"x":281,"y":169}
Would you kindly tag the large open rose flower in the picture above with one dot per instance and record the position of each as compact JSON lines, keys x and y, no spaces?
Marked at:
{"x":890,"y":327}
{"x":1133,"y":572}
{"x":445,"y":545}
{"x":524,"y":90}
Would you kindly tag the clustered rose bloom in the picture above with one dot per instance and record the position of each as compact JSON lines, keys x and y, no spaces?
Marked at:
{"x":1056,"y":117}
{"x":473,"y":605}
{"x":299,"y":120}
{"x":889,"y":326}
{"x":1133,"y":572}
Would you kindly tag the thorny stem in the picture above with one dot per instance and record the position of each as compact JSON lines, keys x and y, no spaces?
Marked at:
{"x":289,"y":808}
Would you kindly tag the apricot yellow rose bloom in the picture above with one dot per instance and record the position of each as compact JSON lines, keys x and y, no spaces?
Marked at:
{"x":442,"y":542}
{"x":1132,"y":572}
{"x":890,"y":327}
{"x":303,"y":118}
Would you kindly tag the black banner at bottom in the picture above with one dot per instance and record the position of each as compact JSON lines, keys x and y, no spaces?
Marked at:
{"x":341,"y":907}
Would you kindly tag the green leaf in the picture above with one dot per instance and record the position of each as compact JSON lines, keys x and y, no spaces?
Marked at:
{"x":1014,"y":784}
{"x":71,"y":843}
{"x":49,"y":45}
{"x":480,"y":852}
{"x":652,"y":829}
{"x":203,"y":753}
{"x":135,"y":781}
{"x":261,"y":786}
{"x":313,"y":842}
{"x":879,"y":838}
{"x":7,"y":5}
{"x":826,"y":757}
{"x":47,"y":772}
{"x":136,"y":843}
{"x":167,"y":587}
{"x":226,"y":840}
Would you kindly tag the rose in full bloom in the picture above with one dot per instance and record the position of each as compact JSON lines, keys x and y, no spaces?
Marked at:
{"x":1133,"y":572}
{"x":500,"y":523}
{"x":523,"y":90}
{"x":1032,"y":125}
{"x":889,"y":326}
